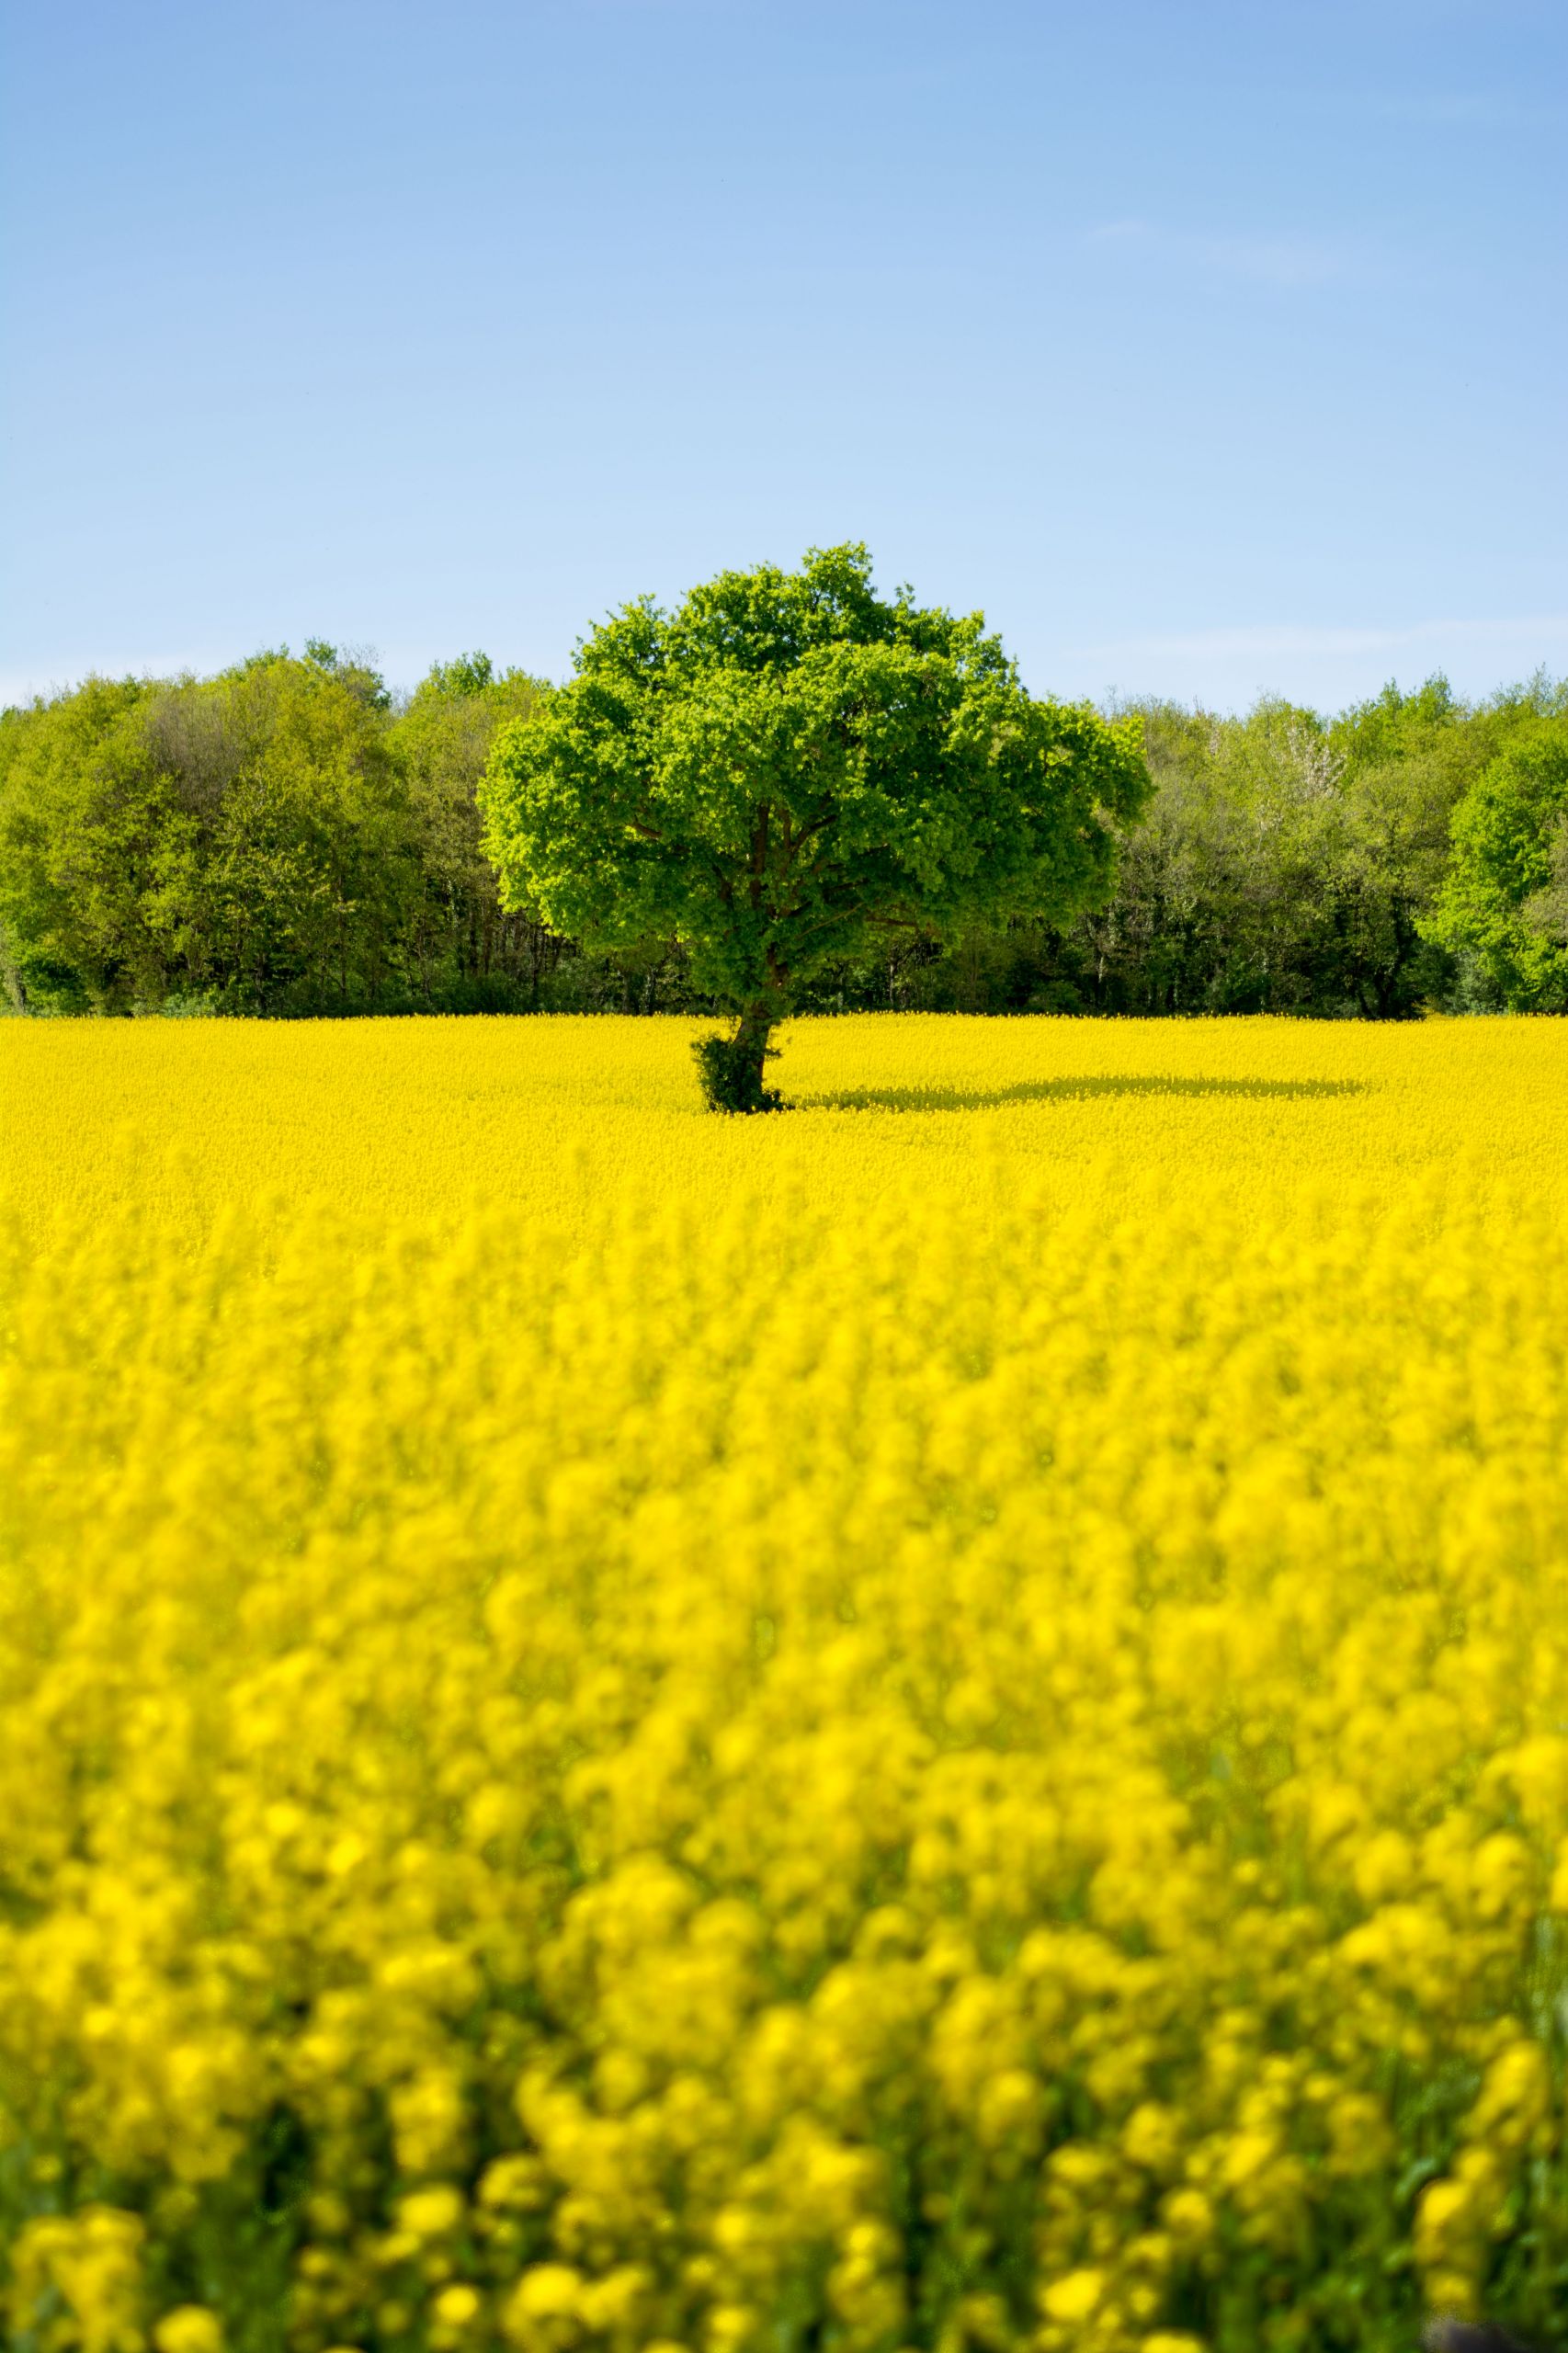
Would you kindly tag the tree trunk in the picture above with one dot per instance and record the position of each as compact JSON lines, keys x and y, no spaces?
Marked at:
{"x":732,"y":1068}
{"x":749,"y":1043}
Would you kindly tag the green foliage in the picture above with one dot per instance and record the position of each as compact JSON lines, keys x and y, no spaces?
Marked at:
{"x":244,"y":834}
{"x":284,"y":839}
{"x":468,"y":675}
{"x":1504,"y":900}
{"x":352,"y":669}
{"x":1286,"y":864}
{"x":90,"y":842}
{"x":272,"y":841}
{"x":465,"y":950}
{"x":789,"y":765}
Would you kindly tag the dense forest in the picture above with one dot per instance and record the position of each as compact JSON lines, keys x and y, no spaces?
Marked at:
{"x":291,"y":838}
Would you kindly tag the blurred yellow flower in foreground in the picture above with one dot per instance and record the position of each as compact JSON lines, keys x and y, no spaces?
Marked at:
{"x":939,"y":1722}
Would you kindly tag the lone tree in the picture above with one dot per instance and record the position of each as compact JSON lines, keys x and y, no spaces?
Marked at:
{"x":788,"y":763}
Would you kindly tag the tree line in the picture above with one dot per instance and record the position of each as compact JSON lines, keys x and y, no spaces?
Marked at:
{"x":289,"y":837}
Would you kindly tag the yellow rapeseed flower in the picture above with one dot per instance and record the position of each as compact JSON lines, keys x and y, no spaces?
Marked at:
{"x":938,"y":1723}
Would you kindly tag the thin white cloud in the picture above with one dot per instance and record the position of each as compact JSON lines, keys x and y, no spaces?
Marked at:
{"x":1286,"y":640}
{"x":1270,"y":261}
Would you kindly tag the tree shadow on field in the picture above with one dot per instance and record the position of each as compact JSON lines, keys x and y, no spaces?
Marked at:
{"x":1072,"y":1090}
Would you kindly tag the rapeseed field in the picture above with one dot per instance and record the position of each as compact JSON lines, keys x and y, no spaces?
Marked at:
{"x":939,"y":1723}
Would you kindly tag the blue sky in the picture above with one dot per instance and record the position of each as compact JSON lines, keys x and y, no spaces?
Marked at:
{"x":1210,"y":347}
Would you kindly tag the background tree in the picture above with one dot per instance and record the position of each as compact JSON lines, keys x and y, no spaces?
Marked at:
{"x":1502,"y":898}
{"x":1286,"y":863}
{"x":287,"y":838}
{"x":241,"y":841}
{"x":310,"y":861}
{"x":88,"y":839}
{"x":467,"y":949}
{"x":273,"y":840}
{"x":787,"y":765}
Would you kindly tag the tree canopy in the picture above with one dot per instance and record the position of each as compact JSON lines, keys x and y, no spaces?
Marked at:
{"x":789,"y":761}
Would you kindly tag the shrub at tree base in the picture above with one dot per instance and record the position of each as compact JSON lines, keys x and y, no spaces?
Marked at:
{"x":731,"y":1075}
{"x":941,"y":1725}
